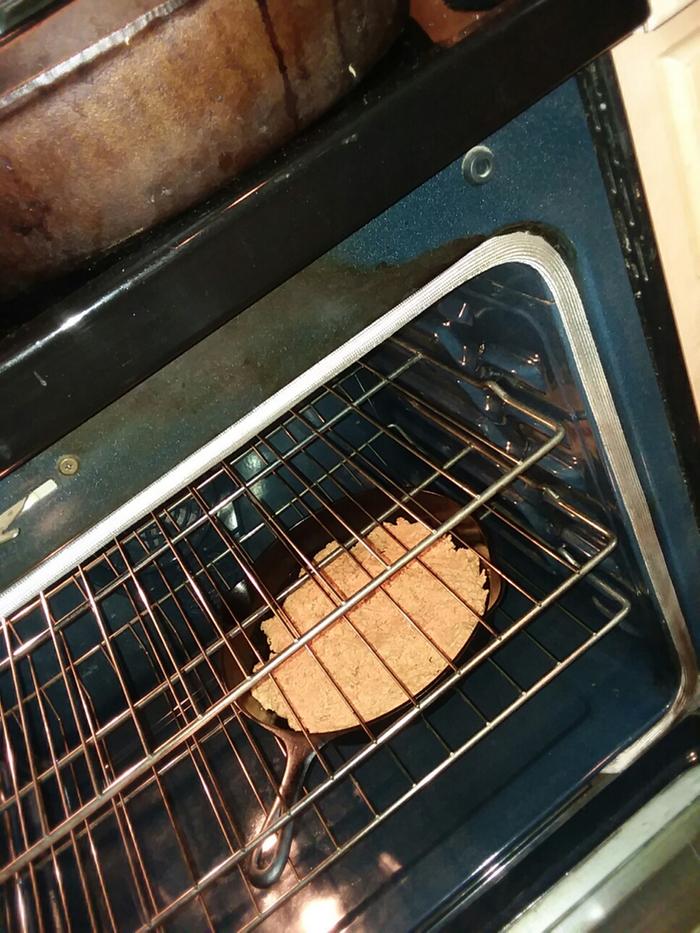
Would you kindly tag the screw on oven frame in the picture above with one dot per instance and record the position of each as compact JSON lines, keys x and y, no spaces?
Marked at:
{"x":68,"y":465}
{"x":478,"y":165}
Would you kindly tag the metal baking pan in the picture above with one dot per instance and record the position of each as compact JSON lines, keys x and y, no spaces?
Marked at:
{"x":115,"y":116}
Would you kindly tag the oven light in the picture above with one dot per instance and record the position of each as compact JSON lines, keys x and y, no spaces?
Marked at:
{"x":320,"y":915}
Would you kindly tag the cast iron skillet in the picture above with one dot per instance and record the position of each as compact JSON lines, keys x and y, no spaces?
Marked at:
{"x":278,"y":568}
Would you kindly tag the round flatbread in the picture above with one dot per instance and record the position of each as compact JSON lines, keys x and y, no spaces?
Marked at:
{"x":390,"y":646}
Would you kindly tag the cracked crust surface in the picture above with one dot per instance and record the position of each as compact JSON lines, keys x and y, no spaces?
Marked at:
{"x":390,"y":646}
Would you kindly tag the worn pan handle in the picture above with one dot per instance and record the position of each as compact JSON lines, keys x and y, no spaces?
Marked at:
{"x":267,"y":860}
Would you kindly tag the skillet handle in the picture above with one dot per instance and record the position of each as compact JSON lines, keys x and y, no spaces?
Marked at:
{"x":266,"y":862}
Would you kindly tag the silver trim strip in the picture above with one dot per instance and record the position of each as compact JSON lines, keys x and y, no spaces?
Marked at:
{"x":604,"y":880}
{"x":15,"y":96}
{"x":521,"y":247}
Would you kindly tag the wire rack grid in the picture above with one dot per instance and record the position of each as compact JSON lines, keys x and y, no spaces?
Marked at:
{"x":121,"y":733}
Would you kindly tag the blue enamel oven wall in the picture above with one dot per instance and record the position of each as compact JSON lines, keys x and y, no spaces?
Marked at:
{"x":546,"y":174}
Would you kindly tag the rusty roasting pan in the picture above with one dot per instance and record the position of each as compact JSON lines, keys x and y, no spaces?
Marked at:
{"x":115,"y":116}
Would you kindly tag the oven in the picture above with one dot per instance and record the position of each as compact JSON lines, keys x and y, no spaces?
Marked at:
{"x":470,"y":342}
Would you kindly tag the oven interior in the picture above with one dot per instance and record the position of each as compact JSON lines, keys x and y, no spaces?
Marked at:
{"x":133,"y":786}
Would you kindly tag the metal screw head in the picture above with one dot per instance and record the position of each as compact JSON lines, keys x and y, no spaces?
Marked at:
{"x":478,"y":165}
{"x":68,"y":465}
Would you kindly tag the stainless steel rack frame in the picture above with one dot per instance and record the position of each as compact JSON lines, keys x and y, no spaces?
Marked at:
{"x":111,"y":680}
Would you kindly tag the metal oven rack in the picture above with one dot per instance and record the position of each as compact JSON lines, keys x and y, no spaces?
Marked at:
{"x":132,"y":785}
